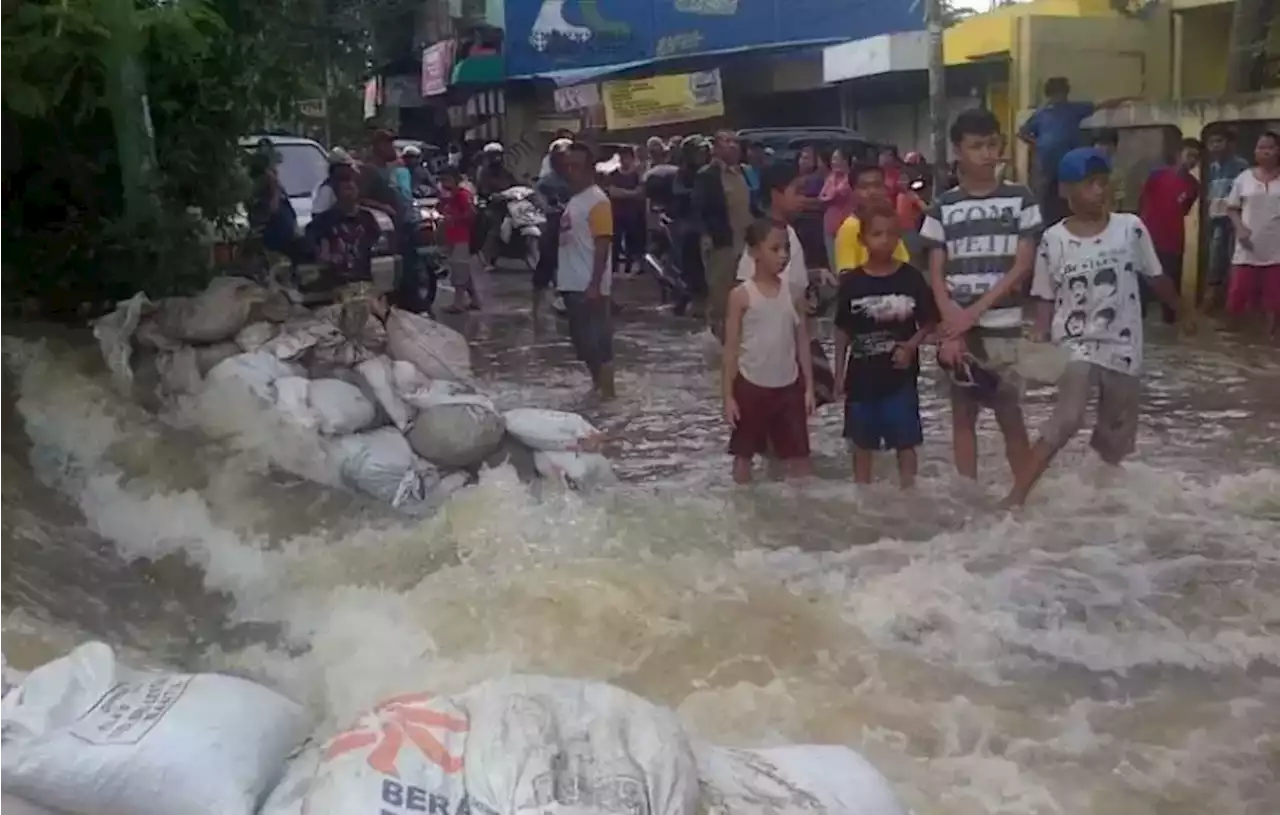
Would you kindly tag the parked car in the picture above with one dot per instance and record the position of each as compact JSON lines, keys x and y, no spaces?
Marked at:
{"x":786,"y":142}
{"x":301,"y":164}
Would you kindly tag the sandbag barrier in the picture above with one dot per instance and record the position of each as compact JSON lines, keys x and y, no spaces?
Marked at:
{"x":389,"y":394}
{"x":86,"y":735}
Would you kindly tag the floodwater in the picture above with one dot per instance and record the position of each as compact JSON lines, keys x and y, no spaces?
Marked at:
{"x":1114,"y":648}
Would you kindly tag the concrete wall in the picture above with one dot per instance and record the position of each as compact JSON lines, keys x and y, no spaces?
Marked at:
{"x":1203,"y":36}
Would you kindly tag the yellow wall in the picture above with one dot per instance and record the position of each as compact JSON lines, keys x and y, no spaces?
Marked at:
{"x":1206,"y":32}
{"x":993,"y":32}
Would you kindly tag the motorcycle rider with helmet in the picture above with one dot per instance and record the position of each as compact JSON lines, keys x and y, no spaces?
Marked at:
{"x":492,"y":177}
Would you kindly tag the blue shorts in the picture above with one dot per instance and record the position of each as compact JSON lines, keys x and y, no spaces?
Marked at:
{"x":889,"y":423}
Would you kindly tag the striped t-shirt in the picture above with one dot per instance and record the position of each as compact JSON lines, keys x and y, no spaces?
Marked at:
{"x":980,"y":235}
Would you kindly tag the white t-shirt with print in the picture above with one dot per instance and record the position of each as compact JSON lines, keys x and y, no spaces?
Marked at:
{"x":1259,"y":205}
{"x":587,"y":217}
{"x":795,"y":274}
{"x":1093,"y":284}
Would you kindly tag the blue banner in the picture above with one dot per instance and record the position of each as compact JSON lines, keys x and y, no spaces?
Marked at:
{"x":547,"y":37}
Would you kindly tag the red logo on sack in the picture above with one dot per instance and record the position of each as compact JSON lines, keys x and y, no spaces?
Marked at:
{"x":401,"y":719}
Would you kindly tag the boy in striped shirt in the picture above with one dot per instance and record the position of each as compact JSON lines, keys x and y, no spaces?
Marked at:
{"x":981,"y":237}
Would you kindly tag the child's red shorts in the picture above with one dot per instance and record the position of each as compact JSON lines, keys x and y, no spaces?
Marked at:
{"x":1254,"y":288}
{"x":770,"y":415}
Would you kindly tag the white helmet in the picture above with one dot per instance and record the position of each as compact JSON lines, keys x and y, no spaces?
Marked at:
{"x":492,"y":147}
{"x":411,"y":150}
{"x":558,"y":145}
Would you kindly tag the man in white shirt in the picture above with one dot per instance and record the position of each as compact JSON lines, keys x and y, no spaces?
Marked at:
{"x":584,"y":275}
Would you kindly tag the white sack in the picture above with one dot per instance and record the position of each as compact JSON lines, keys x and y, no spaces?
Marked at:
{"x":578,"y":470}
{"x":407,"y":378}
{"x":517,"y":744}
{"x":114,"y":333}
{"x":378,"y":374}
{"x":436,"y":350}
{"x":807,"y":779}
{"x":340,"y":407}
{"x":293,"y":401}
{"x":254,"y":335}
{"x":256,"y":372}
{"x":457,"y":435}
{"x":550,"y":429}
{"x":89,"y":736}
{"x":382,"y":464}
{"x":214,"y":315}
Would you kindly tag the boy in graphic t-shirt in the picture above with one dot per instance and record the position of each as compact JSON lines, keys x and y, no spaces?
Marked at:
{"x":884,"y":311}
{"x":981,"y":237}
{"x":1086,"y":278}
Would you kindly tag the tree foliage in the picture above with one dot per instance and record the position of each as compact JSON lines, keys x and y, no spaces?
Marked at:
{"x":214,"y":69}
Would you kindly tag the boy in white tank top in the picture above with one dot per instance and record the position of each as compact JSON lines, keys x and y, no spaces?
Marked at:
{"x":767,"y":383}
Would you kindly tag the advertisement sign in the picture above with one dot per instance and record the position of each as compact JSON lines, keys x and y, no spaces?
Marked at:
{"x":577,"y":97}
{"x":549,"y":37}
{"x":437,"y":68}
{"x":662,"y":100}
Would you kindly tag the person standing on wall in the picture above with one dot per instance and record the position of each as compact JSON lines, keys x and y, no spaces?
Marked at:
{"x":1221,"y":171}
{"x":722,"y":203}
{"x":585,"y":272}
{"x":1053,"y":129}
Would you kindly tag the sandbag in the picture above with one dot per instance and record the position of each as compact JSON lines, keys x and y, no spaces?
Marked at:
{"x":382,"y":464}
{"x":379,"y":376}
{"x":551,"y":429}
{"x":254,"y":335}
{"x":340,"y":407}
{"x":793,"y":780}
{"x":114,"y":333}
{"x":179,"y":371}
{"x":516,"y":744}
{"x":208,"y":356}
{"x":149,"y":335}
{"x":515,"y":454}
{"x":575,"y":469}
{"x":89,"y":736}
{"x":457,"y":435}
{"x":436,"y":350}
{"x":216,"y":314}
{"x":407,"y":378}
{"x":256,"y":371}
{"x":293,"y":401}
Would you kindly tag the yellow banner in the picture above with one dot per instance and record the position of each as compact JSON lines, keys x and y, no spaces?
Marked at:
{"x":641,"y":103}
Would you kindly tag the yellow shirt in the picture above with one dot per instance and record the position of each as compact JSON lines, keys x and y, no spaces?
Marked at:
{"x":850,"y":253}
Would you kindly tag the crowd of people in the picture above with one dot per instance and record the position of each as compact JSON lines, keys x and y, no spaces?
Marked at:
{"x":961,"y":270}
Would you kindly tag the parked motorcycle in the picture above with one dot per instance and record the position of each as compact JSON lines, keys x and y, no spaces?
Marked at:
{"x":662,"y":258}
{"x":517,"y":215}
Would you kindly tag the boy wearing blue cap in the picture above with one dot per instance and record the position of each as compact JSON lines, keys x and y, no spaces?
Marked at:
{"x":1087,"y":281}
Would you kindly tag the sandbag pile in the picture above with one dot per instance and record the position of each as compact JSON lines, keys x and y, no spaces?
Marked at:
{"x":387,"y":392}
{"x":85,"y":735}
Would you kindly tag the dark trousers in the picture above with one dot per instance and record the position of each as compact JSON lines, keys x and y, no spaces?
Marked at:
{"x":691,"y":266}
{"x":1172,"y":265}
{"x":416,"y":291}
{"x":628,"y":239}
{"x":544,"y":274}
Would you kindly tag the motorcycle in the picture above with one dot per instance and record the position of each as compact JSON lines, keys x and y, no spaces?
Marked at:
{"x":520,"y":221}
{"x":429,"y":235}
{"x":662,"y":258}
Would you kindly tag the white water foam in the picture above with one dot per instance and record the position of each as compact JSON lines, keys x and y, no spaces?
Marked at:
{"x":1033,"y":664}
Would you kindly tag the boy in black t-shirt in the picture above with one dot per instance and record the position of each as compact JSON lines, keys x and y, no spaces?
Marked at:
{"x":884,"y":310}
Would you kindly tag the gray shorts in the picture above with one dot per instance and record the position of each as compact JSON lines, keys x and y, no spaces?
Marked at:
{"x":1119,"y":398}
{"x":460,"y":264}
{"x":590,"y":328}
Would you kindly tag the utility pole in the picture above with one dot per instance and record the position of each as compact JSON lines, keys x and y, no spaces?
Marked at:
{"x":933,"y":19}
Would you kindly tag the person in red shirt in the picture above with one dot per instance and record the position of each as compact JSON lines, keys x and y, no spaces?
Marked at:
{"x":457,"y":205}
{"x":1167,"y":196}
